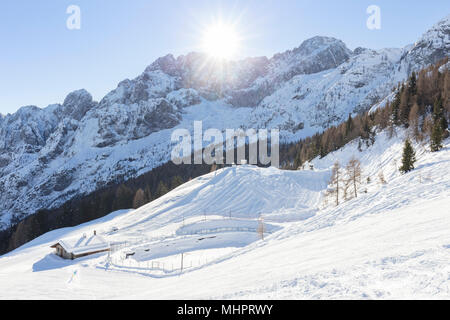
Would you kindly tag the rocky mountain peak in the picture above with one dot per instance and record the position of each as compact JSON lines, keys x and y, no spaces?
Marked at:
{"x":431,"y":47}
{"x":320,"y":43}
{"x":167,"y":64}
{"x":76,"y":104}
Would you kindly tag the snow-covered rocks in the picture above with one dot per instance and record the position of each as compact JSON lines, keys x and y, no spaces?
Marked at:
{"x":433,"y":45}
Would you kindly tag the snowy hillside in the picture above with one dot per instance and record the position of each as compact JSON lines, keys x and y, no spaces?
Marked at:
{"x":391,"y":242}
{"x":50,"y":155}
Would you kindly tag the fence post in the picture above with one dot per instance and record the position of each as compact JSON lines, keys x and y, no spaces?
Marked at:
{"x":181,"y":263}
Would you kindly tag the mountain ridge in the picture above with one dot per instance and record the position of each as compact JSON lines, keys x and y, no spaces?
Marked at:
{"x":50,"y":155}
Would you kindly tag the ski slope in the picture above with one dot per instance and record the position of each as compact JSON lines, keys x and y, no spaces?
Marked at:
{"x":392,"y":242}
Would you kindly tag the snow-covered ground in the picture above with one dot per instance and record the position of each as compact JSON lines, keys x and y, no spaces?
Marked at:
{"x":391,"y":242}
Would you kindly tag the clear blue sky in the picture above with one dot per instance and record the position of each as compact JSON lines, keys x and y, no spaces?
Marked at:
{"x":41,"y":61}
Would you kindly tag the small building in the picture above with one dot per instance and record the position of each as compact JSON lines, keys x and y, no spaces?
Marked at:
{"x":80,"y":247}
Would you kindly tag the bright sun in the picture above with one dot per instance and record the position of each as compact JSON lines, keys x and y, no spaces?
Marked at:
{"x":220,"y":41}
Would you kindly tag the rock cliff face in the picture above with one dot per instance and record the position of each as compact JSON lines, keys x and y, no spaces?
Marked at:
{"x":50,"y":155}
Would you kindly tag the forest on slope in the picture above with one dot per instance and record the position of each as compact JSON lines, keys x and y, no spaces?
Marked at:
{"x":421,"y":104}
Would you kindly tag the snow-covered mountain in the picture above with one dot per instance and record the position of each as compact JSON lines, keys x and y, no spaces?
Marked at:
{"x":392,"y":242}
{"x":50,"y":155}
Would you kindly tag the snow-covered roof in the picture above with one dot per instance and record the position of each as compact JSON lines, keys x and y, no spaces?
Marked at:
{"x":84,"y":244}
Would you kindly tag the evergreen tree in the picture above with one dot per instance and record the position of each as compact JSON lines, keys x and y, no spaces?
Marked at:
{"x":395,"y":109}
{"x":444,"y":125}
{"x":367,"y":133}
{"x":437,"y":110}
{"x":436,"y":137}
{"x":161,"y":189}
{"x":176,"y":182}
{"x":148,"y":193}
{"x":409,"y":157}
{"x":404,"y":108}
{"x":298,"y":161}
{"x":322,"y":152}
{"x":349,"y":125}
{"x":123,"y":198}
{"x":412,"y":84}
{"x":438,"y":114}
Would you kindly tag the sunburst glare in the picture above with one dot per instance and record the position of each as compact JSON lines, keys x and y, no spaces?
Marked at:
{"x":220,"y":41}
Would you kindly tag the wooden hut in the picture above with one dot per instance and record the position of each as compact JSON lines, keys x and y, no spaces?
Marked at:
{"x":80,"y":247}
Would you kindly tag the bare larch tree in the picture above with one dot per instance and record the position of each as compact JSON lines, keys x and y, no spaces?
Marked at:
{"x":353,"y":171}
{"x":335,"y":181}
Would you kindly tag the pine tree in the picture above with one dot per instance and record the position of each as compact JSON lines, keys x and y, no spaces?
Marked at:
{"x":409,"y":157}
{"x":322,"y":152}
{"x":438,"y":114}
{"x":161,"y":189}
{"x":176,"y":182}
{"x":298,"y":162}
{"x":367,"y":133}
{"x":412,"y":84}
{"x":349,"y":125}
{"x":404,"y":108}
{"x":396,"y":108}
{"x":148,"y":193}
{"x":436,"y":137}
{"x":437,"y":109}
{"x":123,"y":198}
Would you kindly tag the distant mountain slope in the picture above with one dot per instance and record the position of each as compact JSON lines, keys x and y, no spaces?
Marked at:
{"x":50,"y":155}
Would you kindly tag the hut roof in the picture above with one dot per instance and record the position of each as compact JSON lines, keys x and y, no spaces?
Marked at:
{"x":83,"y":245}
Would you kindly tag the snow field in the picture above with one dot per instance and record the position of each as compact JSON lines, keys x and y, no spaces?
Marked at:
{"x":392,"y":242}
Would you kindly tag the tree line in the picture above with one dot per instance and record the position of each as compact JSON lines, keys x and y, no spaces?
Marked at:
{"x":421,"y":104}
{"x":118,"y":195}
